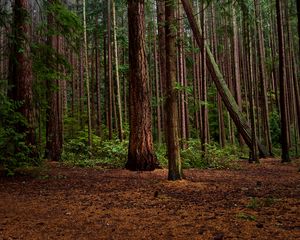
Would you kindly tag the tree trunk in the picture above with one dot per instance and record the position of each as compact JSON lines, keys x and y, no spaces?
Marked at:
{"x":87,"y":81}
{"x":109,"y":71}
{"x":175,"y":171}
{"x":53,"y":132}
{"x":140,"y":151}
{"x":282,"y":86}
{"x":222,"y":88}
{"x":119,"y":110}
{"x":262,"y":74}
{"x":161,"y":18}
{"x":21,"y":70}
{"x":237,"y":72}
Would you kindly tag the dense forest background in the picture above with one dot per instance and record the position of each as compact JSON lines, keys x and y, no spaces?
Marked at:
{"x":80,"y":81}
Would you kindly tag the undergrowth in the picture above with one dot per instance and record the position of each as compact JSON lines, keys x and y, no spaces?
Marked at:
{"x":113,"y":154}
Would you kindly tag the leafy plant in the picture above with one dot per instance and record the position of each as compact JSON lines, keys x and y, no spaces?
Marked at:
{"x":110,"y":153}
{"x":246,"y":216}
{"x":14,"y":152}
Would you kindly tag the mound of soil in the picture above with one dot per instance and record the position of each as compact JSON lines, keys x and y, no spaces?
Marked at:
{"x":258,"y":201}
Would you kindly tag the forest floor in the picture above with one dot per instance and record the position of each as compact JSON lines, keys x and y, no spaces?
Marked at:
{"x":257,"y":201}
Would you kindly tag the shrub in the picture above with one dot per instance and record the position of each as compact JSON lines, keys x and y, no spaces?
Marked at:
{"x":14,"y":152}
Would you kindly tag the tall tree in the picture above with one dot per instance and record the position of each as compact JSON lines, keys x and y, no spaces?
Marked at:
{"x":140,"y":151}
{"x":109,"y":73}
{"x":21,"y":68}
{"x":282,"y":85}
{"x":262,"y":75}
{"x":53,"y":123}
{"x":174,"y":162}
{"x":161,"y":49}
{"x":119,"y":110}
{"x":86,"y":71}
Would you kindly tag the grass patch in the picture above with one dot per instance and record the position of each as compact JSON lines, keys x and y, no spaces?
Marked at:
{"x":245,"y":216}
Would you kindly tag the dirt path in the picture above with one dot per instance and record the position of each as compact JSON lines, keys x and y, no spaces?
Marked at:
{"x":255,"y":202}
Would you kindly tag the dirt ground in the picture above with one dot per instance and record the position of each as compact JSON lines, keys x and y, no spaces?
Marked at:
{"x":255,"y":202}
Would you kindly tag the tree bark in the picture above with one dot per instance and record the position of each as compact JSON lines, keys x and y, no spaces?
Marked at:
{"x":53,"y":148}
{"x":119,"y":110}
{"x":263,"y":79}
{"x":282,"y":86}
{"x":140,"y":151}
{"x":174,"y":162}
{"x":87,"y":80}
{"x":109,"y":72}
{"x":21,"y":70}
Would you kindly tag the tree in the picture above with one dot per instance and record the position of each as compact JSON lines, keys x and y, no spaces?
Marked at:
{"x":282,"y":85}
{"x":54,"y":134}
{"x":21,"y":77}
{"x":140,"y":151}
{"x":87,"y":81}
{"x":119,"y":111}
{"x":174,"y":162}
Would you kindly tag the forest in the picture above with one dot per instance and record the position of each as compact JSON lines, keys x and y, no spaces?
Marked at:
{"x":149,"y":119}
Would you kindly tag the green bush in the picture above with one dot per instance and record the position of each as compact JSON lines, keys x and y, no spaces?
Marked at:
{"x":192,"y":156}
{"x":110,"y":153}
{"x":14,"y":152}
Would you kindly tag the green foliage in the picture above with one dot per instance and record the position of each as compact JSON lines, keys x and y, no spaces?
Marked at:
{"x":222,"y":158}
{"x":161,"y":154}
{"x":108,"y":154}
{"x":65,"y":23}
{"x":192,"y":156}
{"x":14,"y":152}
{"x":256,"y":203}
{"x":246,"y":216}
{"x":275,"y":127}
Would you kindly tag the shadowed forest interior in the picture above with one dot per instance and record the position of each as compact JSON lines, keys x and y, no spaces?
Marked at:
{"x":170,"y":86}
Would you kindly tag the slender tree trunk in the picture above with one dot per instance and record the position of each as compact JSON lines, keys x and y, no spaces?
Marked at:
{"x":182,"y":80}
{"x":109,"y":71}
{"x":298,"y":16}
{"x":157,"y":90}
{"x":175,"y":171}
{"x":119,"y":110}
{"x":87,"y":81}
{"x":140,"y":151}
{"x":204,"y":110}
{"x":98,"y":85}
{"x":162,"y":49}
{"x":237,"y":72}
{"x":263,"y":79}
{"x":282,"y":86}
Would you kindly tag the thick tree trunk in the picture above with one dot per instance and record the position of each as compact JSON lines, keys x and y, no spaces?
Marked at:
{"x":221,"y":85}
{"x":53,"y":131}
{"x":21,"y":69}
{"x":175,"y":171}
{"x":140,"y":151}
